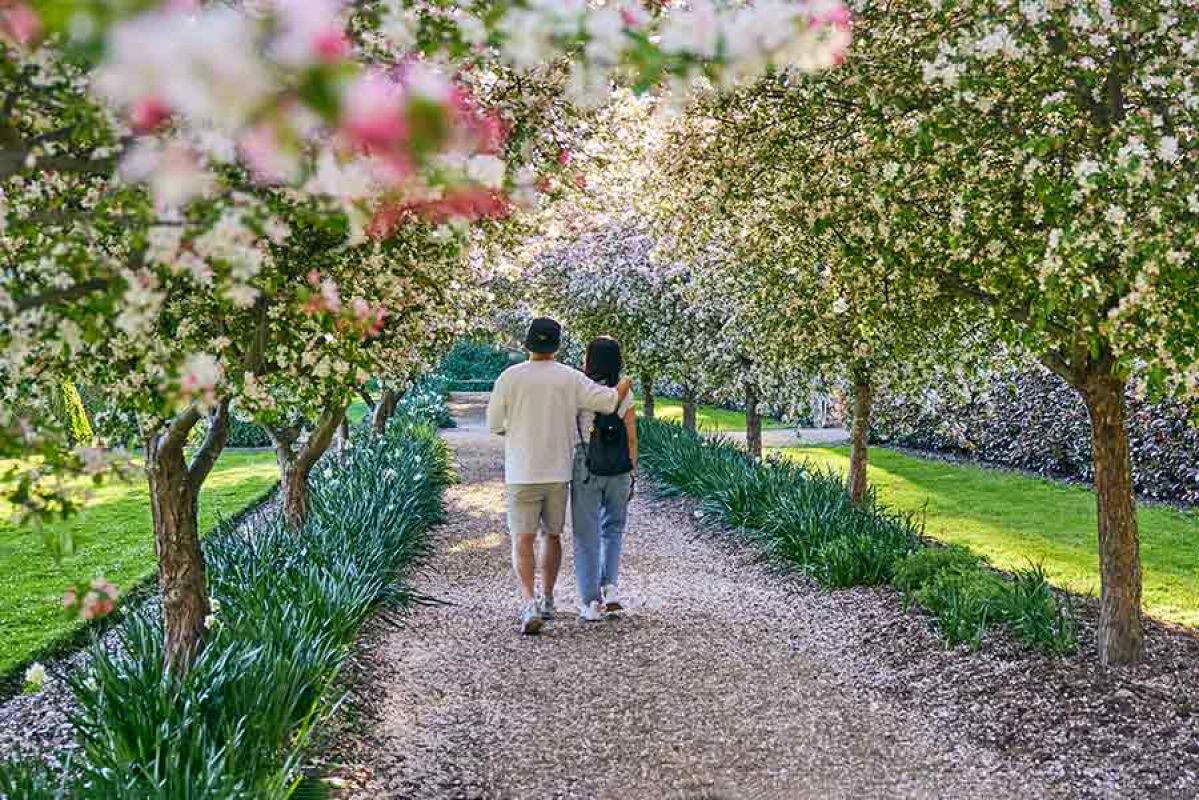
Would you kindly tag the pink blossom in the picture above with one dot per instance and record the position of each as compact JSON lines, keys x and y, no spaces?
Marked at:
{"x":331,"y":45}
{"x":20,"y":23}
{"x":311,"y":31}
{"x":372,"y":112}
{"x":201,"y":374}
{"x":473,"y":203}
{"x":634,"y":16}
{"x":148,"y":113}
{"x":269,"y":159}
{"x":836,"y":14}
{"x":70,"y":599}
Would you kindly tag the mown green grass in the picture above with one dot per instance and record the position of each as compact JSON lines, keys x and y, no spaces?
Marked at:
{"x":1016,"y":520}
{"x":113,"y":538}
{"x":709,"y":419}
{"x":357,"y":412}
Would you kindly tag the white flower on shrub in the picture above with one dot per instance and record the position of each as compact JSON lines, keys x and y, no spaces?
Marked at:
{"x":389,"y":474}
{"x":215,"y":605}
{"x":211,"y":621}
{"x":35,"y":677}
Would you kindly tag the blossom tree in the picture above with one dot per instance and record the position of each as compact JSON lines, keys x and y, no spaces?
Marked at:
{"x":802,"y":298}
{"x":1036,"y":162}
{"x":1046,"y":154}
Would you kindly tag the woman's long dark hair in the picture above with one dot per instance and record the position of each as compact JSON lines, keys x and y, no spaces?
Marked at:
{"x":604,"y":363}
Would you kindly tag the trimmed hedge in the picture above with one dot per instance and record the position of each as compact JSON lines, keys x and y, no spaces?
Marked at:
{"x":290,"y":606}
{"x":1032,"y":420}
{"x":802,"y":518}
{"x":473,"y":366}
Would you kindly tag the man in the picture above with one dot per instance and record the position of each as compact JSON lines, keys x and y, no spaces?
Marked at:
{"x":535,"y":405}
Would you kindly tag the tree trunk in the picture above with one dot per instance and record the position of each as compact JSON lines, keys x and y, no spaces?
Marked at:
{"x":343,"y":436}
{"x":293,"y":488}
{"x":383,"y":410}
{"x":859,"y":436}
{"x":753,"y":422}
{"x":1120,"y":632}
{"x":647,"y":397}
{"x":689,"y":421}
{"x":295,"y":465}
{"x":174,"y":492}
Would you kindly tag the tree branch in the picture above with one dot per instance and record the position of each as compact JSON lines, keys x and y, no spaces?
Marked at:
{"x":214,"y":442}
{"x":321,"y":437}
{"x":179,"y":428}
{"x":56,"y":296}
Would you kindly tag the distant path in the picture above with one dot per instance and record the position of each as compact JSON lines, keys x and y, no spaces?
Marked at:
{"x":782,"y":437}
{"x":725,"y":684}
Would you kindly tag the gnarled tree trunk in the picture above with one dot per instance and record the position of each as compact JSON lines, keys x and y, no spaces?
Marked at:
{"x":753,"y":421}
{"x":647,"y":397}
{"x":859,"y":436}
{"x":383,"y":410}
{"x":297,"y":460}
{"x":1121,"y":636}
{"x":689,"y":412}
{"x":174,"y":494}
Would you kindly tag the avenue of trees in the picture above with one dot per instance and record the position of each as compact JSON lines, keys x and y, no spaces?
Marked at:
{"x":977,"y":178}
{"x":206,"y":207}
{"x":213,"y":209}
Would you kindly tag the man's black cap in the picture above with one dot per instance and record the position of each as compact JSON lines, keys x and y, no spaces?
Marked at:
{"x":545,"y":336}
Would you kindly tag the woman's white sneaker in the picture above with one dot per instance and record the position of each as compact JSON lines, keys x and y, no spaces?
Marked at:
{"x":611,"y":599}
{"x":592,"y":612}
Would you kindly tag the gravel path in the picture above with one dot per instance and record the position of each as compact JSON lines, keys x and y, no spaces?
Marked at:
{"x":723,"y":683}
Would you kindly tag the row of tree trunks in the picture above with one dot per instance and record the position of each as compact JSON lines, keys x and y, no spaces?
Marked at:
{"x":174,"y":493}
{"x":753,"y":421}
{"x":647,"y":397}
{"x":859,"y":436}
{"x":296,"y":463}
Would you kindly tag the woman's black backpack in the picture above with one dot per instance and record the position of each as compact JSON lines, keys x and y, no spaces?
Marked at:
{"x":608,"y":451}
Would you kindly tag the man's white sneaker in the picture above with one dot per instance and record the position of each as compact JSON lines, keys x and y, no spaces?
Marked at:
{"x":545,"y":605}
{"x":611,"y":599}
{"x":530,"y":620}
{"x":592,"y":612}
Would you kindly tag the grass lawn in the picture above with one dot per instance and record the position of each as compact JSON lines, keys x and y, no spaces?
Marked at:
{"x":1014,"y":520}
{"x":709,"y":419}
{"x":113,"y":538}
{"x":357,"y":412}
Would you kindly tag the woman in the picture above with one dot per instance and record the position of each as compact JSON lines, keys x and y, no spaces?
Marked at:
{"x":602,"y":486}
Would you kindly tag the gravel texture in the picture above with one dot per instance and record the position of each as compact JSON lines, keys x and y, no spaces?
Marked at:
{"x":728,"y":681}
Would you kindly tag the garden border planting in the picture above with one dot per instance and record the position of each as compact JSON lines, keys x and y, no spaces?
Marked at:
{"x":287,"y":608}
{"x":802,"y":518}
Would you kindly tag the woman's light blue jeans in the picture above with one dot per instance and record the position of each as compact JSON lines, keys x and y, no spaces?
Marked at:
{"x":599,"y":508}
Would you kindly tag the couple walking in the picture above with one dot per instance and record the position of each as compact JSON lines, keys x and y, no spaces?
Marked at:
{"x":566,"y":434}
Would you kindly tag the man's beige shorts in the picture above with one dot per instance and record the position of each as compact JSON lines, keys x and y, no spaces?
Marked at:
{"x":537,"y":505}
